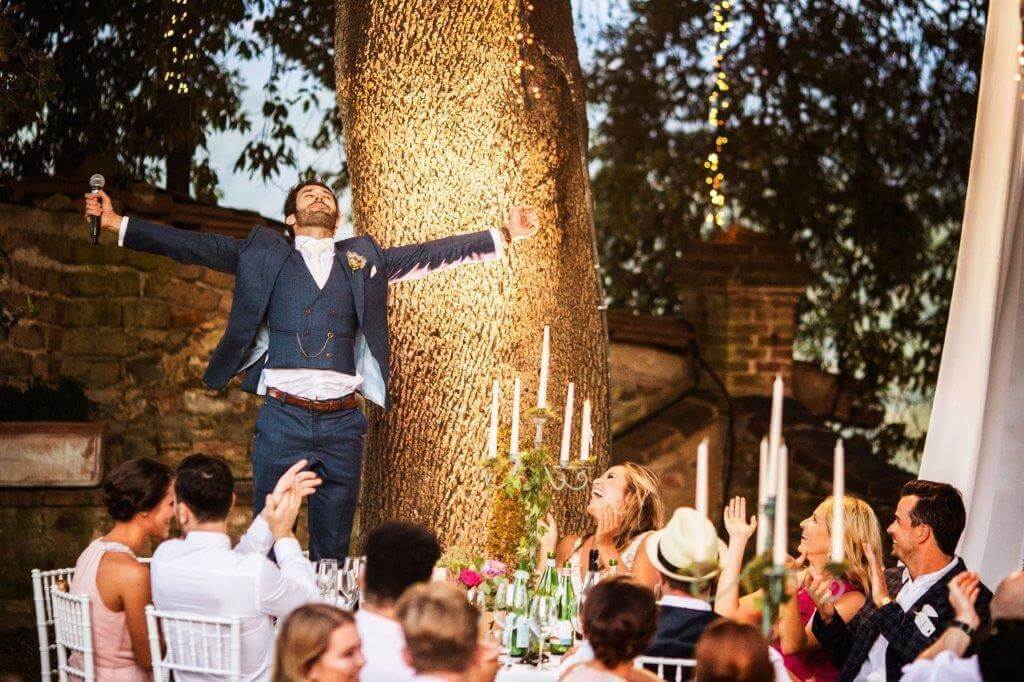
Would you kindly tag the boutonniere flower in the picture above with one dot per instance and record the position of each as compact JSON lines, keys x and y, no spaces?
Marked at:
{"x":355,"y":261}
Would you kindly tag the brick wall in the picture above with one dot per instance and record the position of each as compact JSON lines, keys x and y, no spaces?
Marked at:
{"x":740,"y":291}
{"x":136,"y":330}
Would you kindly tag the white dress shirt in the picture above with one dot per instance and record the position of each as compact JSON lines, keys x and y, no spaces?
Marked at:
{"x":383,"y":648}
{"x":946,"y":667}
{"x":873,"y":669}
{"x":201,"y":574}
{"x":321,"y":384}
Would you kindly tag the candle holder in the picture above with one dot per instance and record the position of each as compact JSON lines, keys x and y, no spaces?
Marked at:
{"x":775,"y":596}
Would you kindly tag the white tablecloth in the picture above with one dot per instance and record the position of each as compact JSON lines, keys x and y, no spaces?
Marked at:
{"x":527,"y":673}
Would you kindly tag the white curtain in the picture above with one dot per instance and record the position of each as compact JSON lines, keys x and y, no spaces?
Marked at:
{"x":976,"y":436}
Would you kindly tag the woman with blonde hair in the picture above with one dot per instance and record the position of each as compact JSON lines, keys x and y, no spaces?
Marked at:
{"x":320,"y":643}
{"x":846,"y":593}
{"x":625,"y":503}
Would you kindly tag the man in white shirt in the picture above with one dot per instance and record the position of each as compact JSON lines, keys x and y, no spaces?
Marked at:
{"x":999,"y":652}
{"x":309,"y":327}
{"x":398,"y":555}
{"x":928,"y":522}
{"x":203,"y":575}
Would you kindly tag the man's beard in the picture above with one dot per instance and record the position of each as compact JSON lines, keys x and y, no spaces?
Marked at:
{"x":316,"y":218}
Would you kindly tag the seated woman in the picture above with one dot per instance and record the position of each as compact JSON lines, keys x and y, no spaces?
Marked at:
{"x":733,"y":652}
{"x":848,"y":593}
{"x":318,"y":642}
{"x":625,"y":503}
{"x":140,"y":500}
{"x":619,"y":618}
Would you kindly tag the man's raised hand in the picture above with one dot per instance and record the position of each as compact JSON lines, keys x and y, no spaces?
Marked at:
{"x":303,"y":483}
{"x":99,"y":204}
{"x":523,"y":222}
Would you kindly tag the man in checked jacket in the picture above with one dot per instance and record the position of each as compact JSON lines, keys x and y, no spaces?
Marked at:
{"x":877,"y":643}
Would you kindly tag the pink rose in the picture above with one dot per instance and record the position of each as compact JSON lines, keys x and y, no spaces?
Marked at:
{"x":494,"y":569}
{"x":470,"y":578}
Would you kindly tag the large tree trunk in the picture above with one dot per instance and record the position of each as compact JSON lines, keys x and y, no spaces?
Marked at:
{"x":439,"y":141}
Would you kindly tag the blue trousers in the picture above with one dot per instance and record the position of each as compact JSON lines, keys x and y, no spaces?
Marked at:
{"x":333,"y":444}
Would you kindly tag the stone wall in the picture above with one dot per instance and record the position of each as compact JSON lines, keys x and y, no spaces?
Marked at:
{"x":137,"y":331}
{"x":740,"y":291}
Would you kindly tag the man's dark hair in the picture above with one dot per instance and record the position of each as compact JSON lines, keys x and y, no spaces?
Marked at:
{"x":619,"y":620}
{"x":398,"y":555}
{"x":205,"y":484}
{"x":293,"y":193}
{"x":135,"y":486}
{"x":939,"y":506}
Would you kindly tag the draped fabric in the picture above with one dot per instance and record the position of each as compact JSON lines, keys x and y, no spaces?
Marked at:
{"x":976,"y":435}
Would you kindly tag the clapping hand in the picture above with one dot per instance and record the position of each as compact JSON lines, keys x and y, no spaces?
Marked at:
{"x":302,"y":483}
{"x":876,"y":574}
{"x":819,"y":587}
{"x":963,"y":592}
{"x":736,"y":524}
{"x":282,"y":511}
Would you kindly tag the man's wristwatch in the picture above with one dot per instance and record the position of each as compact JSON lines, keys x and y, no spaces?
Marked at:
{"x":961,"y":625}
{"x":506,"y":234}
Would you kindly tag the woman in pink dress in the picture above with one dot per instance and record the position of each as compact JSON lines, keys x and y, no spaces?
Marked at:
{"x":140,"y":500}
{"x":804,"y":657}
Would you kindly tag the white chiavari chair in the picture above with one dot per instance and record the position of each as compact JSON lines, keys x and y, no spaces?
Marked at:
{"x":671,"y":669}
{"x":42,"y":581}
{"x":72,"y":629}
{"x":198,"y":644}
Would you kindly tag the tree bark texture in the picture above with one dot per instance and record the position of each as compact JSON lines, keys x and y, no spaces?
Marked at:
{"x":440,"y":141}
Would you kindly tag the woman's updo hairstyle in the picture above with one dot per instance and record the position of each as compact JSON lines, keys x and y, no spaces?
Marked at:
{"x":135,"y":486}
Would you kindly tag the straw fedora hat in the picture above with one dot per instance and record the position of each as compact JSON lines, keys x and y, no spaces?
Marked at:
{"x":673,"y":549}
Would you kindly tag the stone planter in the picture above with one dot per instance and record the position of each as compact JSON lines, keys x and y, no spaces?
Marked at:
{"x":50,"y":454}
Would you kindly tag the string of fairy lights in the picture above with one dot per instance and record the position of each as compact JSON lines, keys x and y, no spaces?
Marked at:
{"x":178,"y":35}
{"x":718,"y":105}
{"x":523,"y":40}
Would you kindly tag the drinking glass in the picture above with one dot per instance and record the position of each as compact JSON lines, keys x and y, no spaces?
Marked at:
{"x":327,"y":579}
{"x":502,"y":595}
{"x":348,"y":588}
{"x":543,"y":617}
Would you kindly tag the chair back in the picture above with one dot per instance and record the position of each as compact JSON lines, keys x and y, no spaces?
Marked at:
{"x":42,"y":581}
{"x":671,"y":669}
{"x":72,"y":630}
{"x":197,"y":644}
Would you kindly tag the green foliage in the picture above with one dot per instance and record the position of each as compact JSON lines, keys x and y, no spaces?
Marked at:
{"x":850,"y":134}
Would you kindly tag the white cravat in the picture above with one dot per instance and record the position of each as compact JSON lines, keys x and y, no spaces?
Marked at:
{"x":316,"y":384}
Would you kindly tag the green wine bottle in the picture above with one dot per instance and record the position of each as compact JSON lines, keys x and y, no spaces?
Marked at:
{"x":548,"y":584}
{"x":517,"y":625}
{"x":562,"y":639}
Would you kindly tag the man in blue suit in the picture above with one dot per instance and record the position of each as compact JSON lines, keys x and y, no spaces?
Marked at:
{"x":308,"y":326}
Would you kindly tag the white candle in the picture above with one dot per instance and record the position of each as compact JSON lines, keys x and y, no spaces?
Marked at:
{"x":701,"y":500}
{"x":762,"y":496}
{"x":587,"y":434}
{"x":775,"y":432}
{"x":838,"y":495}
{"x":567,"y":425}
{"x":492,"y":437}
{"x":513,"y":447}
{"x":781,"y":506}
{"x":545,"y":359}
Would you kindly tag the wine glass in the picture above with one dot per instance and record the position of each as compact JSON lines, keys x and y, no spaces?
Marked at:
{"x":543,"y":617}
{"x":502,"y":596}
{"x":327,"y":579}
{"x":348,"y":588}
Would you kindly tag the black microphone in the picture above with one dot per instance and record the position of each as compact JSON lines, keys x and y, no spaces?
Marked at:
{"x":96,"y":182}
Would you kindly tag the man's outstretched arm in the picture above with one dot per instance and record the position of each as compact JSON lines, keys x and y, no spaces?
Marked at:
{"x":414,"y":261}
{"x":185,"y":246}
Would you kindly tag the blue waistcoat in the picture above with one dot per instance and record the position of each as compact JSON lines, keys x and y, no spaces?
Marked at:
{"x":310,"y":327}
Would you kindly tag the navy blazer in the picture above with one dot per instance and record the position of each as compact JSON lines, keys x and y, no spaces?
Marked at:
{"x":256,"y":261}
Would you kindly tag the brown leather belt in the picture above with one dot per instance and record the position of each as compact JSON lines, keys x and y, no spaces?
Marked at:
{"x":343,"y":403}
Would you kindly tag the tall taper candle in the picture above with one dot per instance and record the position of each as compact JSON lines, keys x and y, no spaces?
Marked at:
{"x":513,"y":446}
{"x":587,"y":432}
{"x":545,"y":360}
{"x":762,"y":496}
{"x":492,"y":437}
{"x":775,"y":432}
{"x":567,"y":425}
{"x":781,"y":507}
{"x":838,"y":554}
{"x":701,"y":500}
